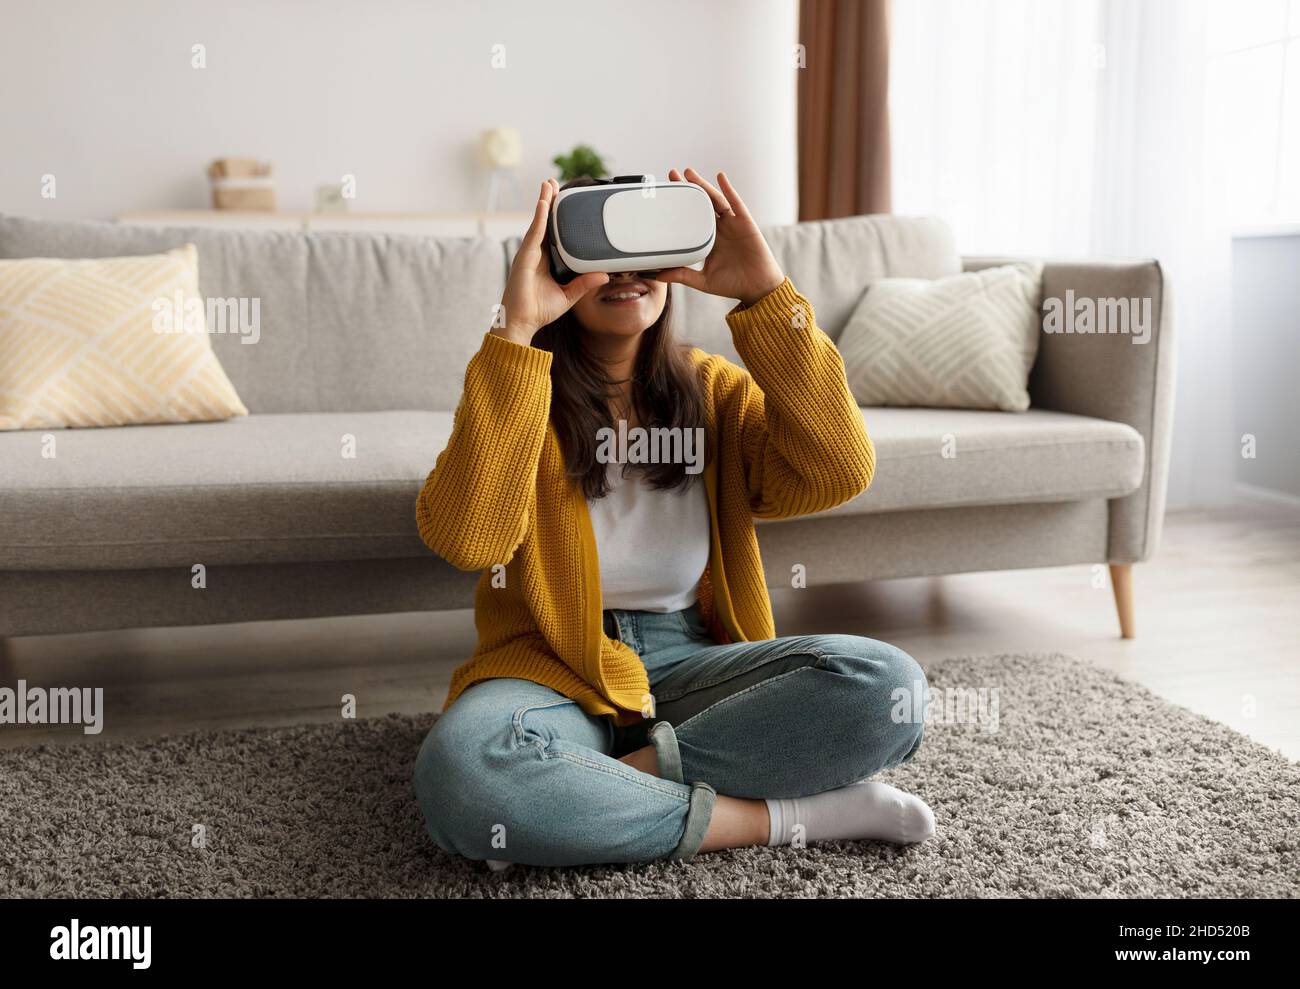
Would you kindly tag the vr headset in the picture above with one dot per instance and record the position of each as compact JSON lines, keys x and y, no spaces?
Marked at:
{"x":629,"y":223}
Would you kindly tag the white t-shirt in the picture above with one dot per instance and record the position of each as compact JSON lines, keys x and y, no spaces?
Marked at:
{"x":653,"y":545}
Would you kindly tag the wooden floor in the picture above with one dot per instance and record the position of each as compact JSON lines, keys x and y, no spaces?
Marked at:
{"x":1218,"y":614}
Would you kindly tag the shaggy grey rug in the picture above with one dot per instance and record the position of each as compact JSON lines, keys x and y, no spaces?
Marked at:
{"x":1090,"y":786}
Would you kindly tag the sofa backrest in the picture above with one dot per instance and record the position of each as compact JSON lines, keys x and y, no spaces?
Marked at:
{"x":348,"y":322}
{"x":366,"y":322}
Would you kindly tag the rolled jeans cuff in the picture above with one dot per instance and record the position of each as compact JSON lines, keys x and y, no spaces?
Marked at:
{"x":664,"y":739}
{"x":698,"y":815}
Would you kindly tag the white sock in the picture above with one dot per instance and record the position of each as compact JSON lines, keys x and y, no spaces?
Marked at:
{"x":857,"y":812}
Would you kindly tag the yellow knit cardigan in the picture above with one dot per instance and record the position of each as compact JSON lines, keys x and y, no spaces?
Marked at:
{"x":784,"y":438}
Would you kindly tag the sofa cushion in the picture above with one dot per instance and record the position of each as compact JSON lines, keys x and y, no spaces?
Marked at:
{"x":942,"y":458}
{"x":273,"y":488}
{"x":266,"y":488}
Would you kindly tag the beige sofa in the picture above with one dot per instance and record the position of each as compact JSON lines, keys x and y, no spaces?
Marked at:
{"x":367,"y":337}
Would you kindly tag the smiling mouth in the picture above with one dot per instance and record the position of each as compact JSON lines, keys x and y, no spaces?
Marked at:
{"x":625,"y":294}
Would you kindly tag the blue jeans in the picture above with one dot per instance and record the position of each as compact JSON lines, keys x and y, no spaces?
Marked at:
{"x":516,"y":771}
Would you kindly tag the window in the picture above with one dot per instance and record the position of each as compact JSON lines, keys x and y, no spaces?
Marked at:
{"x":1254,"y":91}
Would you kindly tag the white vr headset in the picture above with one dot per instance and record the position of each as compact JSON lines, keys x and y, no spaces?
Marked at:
{"x":629,"y":223}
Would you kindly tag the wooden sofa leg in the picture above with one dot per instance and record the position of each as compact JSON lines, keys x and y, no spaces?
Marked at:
{"x":1121,"y":581}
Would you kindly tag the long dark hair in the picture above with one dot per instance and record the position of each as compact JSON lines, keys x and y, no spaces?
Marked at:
{"x":666,"y":392}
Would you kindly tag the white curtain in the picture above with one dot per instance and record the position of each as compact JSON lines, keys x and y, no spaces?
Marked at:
{"x":1080,"y":128}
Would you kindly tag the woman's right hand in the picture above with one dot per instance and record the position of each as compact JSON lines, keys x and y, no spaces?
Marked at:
{"x":533,"y":297}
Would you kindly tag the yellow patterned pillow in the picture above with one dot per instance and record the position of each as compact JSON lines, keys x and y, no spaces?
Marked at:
{"x":86,"y":343}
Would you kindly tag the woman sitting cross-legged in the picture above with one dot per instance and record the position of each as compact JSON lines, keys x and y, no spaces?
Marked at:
{"x":628,"y":699}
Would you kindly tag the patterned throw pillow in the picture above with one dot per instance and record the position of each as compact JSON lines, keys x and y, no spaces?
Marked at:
{"x":965,"y":341}
{"x":92,"y":343}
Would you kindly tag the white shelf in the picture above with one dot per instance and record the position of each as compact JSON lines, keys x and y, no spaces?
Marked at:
{"x":495,"y":225}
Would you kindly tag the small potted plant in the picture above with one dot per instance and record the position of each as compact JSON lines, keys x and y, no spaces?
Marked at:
{"x":582,"y":161}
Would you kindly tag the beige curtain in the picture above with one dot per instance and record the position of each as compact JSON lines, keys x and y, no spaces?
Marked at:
{"x":843,"y":108}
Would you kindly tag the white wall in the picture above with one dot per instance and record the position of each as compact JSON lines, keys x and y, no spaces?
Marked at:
{"x":103,"y":97}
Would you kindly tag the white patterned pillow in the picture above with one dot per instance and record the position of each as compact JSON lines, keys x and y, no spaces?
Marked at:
{"x":965,"y":341}
{"x":81,"y":343}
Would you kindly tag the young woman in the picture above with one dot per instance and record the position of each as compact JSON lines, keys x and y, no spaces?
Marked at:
{"x":628,"y":700}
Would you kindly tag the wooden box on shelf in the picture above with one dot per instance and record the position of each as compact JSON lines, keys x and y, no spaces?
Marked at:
{"x":241,"y":184}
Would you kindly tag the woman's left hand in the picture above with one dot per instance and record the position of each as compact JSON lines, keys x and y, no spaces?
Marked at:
{"x":741,"y":265}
